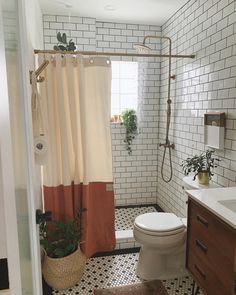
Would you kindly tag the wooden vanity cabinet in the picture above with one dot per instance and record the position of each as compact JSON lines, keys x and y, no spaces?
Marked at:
{"x":211,"y":251}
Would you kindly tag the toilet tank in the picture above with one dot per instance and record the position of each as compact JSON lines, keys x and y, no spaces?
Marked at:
{"x":190,"y":184}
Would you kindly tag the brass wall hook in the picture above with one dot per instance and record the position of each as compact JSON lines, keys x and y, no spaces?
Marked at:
{"x":38,"y":72}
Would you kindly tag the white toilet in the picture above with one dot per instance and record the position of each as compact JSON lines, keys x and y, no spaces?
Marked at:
{"x":162,"y":237}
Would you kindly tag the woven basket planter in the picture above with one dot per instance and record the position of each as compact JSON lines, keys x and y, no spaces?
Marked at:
{"x":64,"y":273}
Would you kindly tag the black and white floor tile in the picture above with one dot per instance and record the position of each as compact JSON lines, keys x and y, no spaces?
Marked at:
{"x":124,"y":217}
{"x":117,"y":270}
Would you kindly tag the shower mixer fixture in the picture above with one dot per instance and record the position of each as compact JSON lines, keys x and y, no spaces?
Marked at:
{"x":143,"y":48}
{"x":168,"y":144}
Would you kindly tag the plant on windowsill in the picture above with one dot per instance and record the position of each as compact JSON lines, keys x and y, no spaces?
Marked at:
{"x":62,"y":44}
{"x":129,"y":120}
{"x":63,"y":263}
{"x":201,"y":165}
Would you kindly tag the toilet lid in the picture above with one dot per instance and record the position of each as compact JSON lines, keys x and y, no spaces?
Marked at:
{"x":159,"y":222}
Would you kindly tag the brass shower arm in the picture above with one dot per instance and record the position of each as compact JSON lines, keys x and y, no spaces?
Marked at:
{"x":155,"y":37}
{"x":39,"y":71}
{"x":160,"y":37}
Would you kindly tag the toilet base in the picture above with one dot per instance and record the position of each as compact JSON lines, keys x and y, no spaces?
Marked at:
{"x":154,"y":265}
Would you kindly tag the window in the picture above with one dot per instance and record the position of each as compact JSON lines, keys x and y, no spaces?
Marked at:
{"x":124,"y":91}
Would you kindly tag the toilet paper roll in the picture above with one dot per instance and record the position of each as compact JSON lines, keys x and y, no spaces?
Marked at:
{"x":40,"y":145}
{"x":40,"y":149}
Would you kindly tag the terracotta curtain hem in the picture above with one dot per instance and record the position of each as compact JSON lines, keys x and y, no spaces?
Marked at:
{"x":98,"y":221}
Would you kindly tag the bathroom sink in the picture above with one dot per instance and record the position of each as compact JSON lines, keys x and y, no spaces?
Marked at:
{"x":229,"y":204}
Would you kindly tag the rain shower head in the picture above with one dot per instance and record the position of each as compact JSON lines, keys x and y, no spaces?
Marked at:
{"x":142,"y":48}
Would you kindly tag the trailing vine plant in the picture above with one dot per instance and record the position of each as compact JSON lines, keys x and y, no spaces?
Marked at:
{"x":63,"y":44}
{"x":129,"y":120}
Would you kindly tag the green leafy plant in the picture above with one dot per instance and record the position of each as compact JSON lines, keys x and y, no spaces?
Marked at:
{"x":204,"y":162}
{"x":60,"y":239}
{"x":129,"y":120}
{"x":63,"y":44}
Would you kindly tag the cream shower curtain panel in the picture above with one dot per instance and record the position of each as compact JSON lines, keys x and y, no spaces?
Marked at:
{"x":77,"y":171}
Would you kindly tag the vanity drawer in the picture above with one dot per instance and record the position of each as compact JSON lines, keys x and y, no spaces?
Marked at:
{"x":214,"y":258}
{"x":210,"y":251}
{"x":205,"y":277}
{"x":211,"y":229}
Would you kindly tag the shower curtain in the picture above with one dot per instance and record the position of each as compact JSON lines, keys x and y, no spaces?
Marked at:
{"x":75,"y":119}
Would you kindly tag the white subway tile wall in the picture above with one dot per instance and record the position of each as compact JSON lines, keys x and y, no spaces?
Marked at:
{"x":207,"y":83}
{"x":135,"y":176}
{"x":81,"y":29}
{"x":206,"y":28}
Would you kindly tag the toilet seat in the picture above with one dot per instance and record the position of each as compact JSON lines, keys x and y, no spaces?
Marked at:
{"x":159,"y":224}
{"x":160,"y":234}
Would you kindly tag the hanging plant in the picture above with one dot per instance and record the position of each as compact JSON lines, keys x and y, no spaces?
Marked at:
{"x":63,"y":44}
{"x":129,"y":120}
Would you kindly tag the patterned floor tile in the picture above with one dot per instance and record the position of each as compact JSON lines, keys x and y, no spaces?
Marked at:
{"x":124,"y":217}
{"x":117,"y":270}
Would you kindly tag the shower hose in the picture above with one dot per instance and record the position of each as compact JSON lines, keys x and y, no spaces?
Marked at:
{"x":167,"y":145}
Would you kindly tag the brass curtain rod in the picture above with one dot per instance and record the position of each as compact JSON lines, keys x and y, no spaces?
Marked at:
{"x":36,"y":51}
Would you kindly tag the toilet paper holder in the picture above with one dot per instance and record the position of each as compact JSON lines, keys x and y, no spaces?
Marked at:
{"x":214,"y":130}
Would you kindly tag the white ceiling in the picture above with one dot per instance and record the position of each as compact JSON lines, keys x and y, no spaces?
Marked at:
{"x":129,"y":11}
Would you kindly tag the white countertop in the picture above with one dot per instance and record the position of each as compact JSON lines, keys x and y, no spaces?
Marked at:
{"x":209,"y":198}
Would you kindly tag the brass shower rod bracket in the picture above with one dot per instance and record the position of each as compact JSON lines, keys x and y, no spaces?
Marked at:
{"x":38,"y":72}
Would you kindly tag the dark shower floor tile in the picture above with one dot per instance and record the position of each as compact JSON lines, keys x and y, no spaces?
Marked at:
{"x":124,"y":217}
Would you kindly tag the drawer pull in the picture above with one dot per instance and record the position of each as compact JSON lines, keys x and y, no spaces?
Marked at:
{"x":202,"y":220}
{"x":201,"y":246}
{"x":199,"y":271}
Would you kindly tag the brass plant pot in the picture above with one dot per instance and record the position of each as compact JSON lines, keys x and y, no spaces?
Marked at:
{"x":203,"y":177}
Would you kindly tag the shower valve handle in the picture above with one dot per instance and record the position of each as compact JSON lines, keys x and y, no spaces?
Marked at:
{"x":168,"y":145}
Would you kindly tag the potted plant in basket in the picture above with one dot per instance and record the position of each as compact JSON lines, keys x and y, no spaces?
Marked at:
{"x":64,"y":263}
{"x":201,"y":165}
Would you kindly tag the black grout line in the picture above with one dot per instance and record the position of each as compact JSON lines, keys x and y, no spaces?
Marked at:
{"x":156,"y":206}
{"x":118,"y":252}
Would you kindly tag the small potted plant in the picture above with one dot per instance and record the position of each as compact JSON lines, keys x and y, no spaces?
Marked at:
{"x":201,"y":165}
{"x":63,"y":44}
{"x":63,"y":263}
{"x":129,"y":120}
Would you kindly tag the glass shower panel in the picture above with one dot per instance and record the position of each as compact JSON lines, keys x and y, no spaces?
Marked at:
{"x":9,"y":12}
